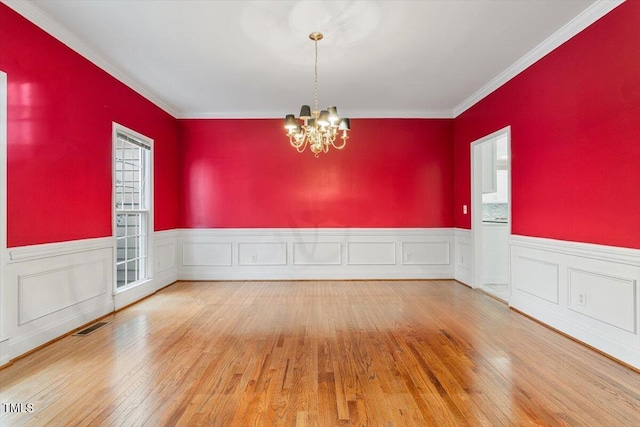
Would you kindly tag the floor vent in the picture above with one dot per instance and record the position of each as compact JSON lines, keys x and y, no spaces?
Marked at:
{"x":87,"y":331}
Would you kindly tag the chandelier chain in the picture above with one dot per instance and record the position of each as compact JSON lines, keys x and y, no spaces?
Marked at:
{"x":315,"y":81}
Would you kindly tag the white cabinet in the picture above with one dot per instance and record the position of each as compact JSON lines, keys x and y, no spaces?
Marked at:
{"x":489,"y":178}
{"x":495,"y":174}
{"x":495,"y":253}
{"x":501,"y":195}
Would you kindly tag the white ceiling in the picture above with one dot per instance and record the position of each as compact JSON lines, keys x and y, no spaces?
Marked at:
{"x":254,"y":59}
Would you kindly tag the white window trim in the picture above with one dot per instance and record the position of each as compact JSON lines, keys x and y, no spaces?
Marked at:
{"x":118,"y":128}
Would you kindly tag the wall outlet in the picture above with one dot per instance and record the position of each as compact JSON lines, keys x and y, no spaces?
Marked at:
{"x":582,"y":300}
{"x":407,"y":256}
{"x":254,"y":258}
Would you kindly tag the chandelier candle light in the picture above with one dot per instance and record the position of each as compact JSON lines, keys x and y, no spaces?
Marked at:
{"x":318,"y":129}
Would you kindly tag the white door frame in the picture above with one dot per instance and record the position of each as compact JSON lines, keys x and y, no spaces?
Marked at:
{"x":476,"y":203}
{"x":4,"y":338}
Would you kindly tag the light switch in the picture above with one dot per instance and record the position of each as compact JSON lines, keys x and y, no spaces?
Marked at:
{"x":464,"y":209}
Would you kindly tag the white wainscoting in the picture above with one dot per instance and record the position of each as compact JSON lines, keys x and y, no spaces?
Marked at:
{"x":274,"y":254}
{"x":318,"y":253}
{"x":163,"y":258}
{"x":463,"y":256}
{"x":262,"y":253}
{"x":206,"y":254}
{"x":53,"y":288}
{"x":589,"y":292}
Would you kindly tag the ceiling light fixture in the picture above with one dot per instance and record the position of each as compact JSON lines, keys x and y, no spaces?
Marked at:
{"x":318,"y":129}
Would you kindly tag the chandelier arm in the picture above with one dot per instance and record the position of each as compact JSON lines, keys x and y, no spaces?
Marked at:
{"x":298,"y":143}
{"x":293,"y":141}
{"x":340,"y":147}
{"x":303,"y":144}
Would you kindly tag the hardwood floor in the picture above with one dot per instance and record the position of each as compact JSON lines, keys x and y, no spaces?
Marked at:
{"x":343,"y":353}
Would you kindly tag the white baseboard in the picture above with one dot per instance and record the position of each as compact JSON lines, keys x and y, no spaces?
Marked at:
{"x":496,"y":280}
{"x":4,"y":351}
{"x":316,"y":274}
{"x":589,"y":292}
{"x":281,"y":254}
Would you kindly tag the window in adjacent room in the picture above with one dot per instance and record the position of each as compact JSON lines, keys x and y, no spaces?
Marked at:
{"x":132,"y":197}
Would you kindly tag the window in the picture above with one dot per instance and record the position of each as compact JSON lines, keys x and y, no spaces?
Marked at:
{"x":132,"y":197}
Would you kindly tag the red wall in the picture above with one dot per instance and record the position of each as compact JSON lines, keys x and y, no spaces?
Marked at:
{"x":244,"y":173}
{"x":60,"y":113}
{"x":575,"y":121}
{"x":575,"y":144}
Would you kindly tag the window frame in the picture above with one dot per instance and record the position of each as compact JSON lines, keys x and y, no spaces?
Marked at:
{"x":148,"y":226}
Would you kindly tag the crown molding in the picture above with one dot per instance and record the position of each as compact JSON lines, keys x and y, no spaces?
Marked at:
{"x":573,"y":27}
{"x":406,"y":114}
{"x":229,"y":115}
{"x":34,"y":14}
{"x":358,"y":114}
{"x":55,"y":29}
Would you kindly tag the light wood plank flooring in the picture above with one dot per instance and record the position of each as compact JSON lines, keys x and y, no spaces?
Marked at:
{"x":340,"y":353}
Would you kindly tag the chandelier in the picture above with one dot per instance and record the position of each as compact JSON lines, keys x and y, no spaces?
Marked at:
{"x":317,"y":129}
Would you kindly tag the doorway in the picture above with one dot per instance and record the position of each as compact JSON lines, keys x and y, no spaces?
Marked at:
{"x":491,"y":213}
